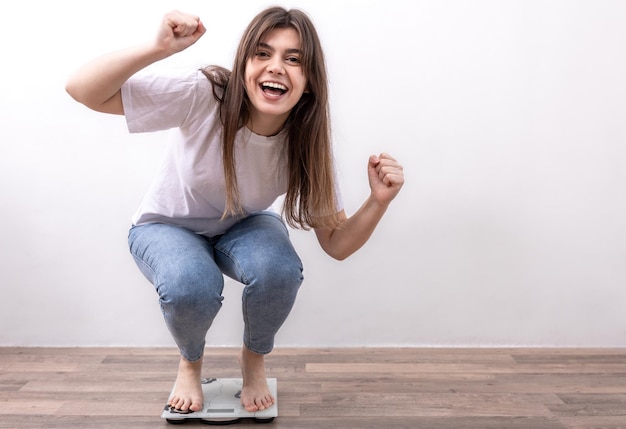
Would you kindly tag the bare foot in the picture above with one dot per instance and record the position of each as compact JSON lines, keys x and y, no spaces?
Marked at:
{"x":255,"y":395}
{"x":187,"y":395}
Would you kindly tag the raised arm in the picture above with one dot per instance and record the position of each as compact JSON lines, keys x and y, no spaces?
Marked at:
{"x":386,"y":177}
{"x":97,"y":84}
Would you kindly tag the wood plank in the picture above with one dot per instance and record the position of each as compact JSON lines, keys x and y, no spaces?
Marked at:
{"x":372,"y":403}
{"x":474,"y":368}
{"x":27,"y":407}
{"x":594,"y":404}
{"x":125,"y":422}
{"x":594,"y":422}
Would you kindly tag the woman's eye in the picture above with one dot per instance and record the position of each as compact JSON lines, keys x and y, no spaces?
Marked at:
{"x":294,"y":60}
{"x":262,"y":54}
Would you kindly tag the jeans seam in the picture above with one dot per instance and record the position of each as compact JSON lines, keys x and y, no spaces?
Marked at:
{"x":235,"y":262}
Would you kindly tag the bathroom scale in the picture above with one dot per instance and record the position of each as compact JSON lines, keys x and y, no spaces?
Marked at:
{"x":222,"y":405}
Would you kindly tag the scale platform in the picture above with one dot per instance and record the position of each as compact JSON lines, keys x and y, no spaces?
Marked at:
{"x":222,"y":405}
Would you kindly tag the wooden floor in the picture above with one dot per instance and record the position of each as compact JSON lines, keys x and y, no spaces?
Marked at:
{"x":327,"y":388}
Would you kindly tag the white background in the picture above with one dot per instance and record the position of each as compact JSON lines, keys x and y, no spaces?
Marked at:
{"x":509,"y":117}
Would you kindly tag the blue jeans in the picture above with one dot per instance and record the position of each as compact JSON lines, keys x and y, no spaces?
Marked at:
{"x":187,"y":271}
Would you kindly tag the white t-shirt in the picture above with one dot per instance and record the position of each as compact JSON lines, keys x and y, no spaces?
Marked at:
{"x":189,"y":188}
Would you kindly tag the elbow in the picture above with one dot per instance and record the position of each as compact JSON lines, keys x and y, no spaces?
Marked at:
{"x":338,"y":249}
{"x":73,"y":89}
{"x":91,"y":100}
{"x":70,"y":89}
{"x":339,"y":255}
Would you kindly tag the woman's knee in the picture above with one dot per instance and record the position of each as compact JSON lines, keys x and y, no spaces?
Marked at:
{"x":284,"y":278}
{"x":191,"y":289}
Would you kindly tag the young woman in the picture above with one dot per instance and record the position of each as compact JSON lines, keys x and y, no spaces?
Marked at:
{"x":240,"y":139}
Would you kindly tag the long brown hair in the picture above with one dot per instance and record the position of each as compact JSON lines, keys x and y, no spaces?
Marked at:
{"x":310,"y":201}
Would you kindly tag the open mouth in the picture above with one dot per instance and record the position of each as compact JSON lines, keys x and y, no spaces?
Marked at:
{"x":273,"y":88}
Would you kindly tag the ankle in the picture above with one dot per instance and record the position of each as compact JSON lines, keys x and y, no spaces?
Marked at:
{"x":248,"y":357}
{"x":188,"y":366}
{"x":252,"y":364}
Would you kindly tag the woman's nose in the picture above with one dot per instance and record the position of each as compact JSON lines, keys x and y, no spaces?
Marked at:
{"x":275,"y":65}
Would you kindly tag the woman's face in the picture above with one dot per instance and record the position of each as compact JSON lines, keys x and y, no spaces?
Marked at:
{"x":275,"y":80}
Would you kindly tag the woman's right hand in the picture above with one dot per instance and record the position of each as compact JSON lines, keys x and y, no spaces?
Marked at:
{"x":178,"y":31}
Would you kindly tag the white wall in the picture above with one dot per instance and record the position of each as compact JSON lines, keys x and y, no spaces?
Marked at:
{"x":509,"y":117}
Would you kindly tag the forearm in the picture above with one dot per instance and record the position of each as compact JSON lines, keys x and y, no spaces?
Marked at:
{"x":98,"y":81}
{"x":354,"y":231}
{"x":386,"y":178}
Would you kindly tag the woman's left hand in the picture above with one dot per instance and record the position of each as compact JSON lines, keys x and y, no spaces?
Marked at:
{"x":386,"y":177}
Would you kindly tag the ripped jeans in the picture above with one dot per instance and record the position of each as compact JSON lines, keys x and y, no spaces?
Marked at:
{"x":187,"y":271}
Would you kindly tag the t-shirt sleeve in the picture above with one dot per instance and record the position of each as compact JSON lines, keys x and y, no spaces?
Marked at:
{"x":156,"y":101}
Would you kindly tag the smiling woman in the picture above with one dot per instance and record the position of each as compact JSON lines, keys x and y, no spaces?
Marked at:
{"x":240,"y":140}
{"x":295,"y":46}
